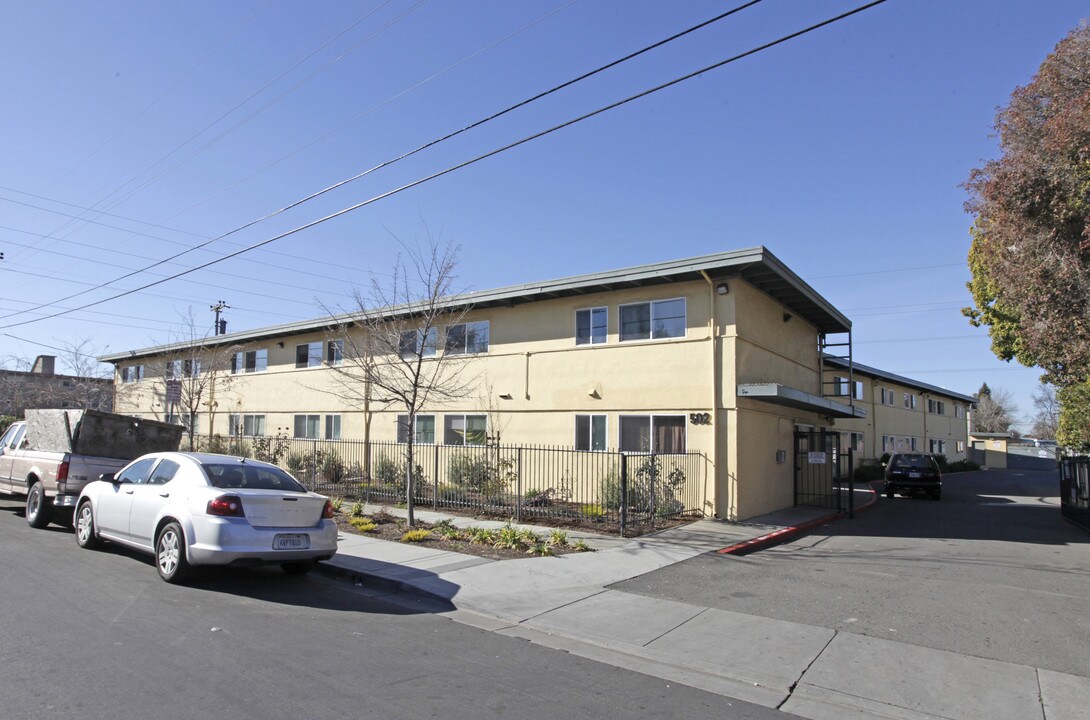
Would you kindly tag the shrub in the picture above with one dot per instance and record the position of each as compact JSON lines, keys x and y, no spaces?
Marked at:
{"x":477,"y":472}
{"x":357,"y":509}
{"x":414,"y":536}
{"x":581,"y":546}
{"x":391,"y":472}
{"x":270,"y":449}
{"x":216,"y":444}
{"x":481,"y":536}
{"x":449,"y":493}
{"x":363,"y":524}
{"x":594,"y":512}
{"x":941,"y":460}
{"x":446,"y":529}
{"x":540,"y":548}
{"x":331,"y":466}
{"x":645,"y":476}
{"x":558,"y":538}
{"x":297,"y":463}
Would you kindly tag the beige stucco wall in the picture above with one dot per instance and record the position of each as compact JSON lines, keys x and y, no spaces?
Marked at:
{"x":533,"y":359}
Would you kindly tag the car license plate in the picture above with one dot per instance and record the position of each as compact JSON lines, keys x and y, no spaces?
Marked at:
{"x":298,"y":541}
{"x":913,"y":475}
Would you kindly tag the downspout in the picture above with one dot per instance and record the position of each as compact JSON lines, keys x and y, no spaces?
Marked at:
{"x":713,"y":327}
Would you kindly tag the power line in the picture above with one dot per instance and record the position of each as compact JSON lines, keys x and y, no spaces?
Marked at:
{"x":421,"y":148}
{"x":479,"y":158}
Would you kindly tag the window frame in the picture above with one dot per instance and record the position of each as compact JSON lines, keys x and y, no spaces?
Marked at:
{"x":132,"y":373}
{"x":469,"y":330}
{"x":592,"y":338}
{"x":449,"y":432}
{"x":241,"y":420}
{"x":651,"y":320}
{"x":334,"y":353}
{"x":331,"y":426}
{"x":314,"y":354}
{"x":418,"y":342}
{"x":588,"y":443}
{"x":240,"y":361}
{"x":307,"y":417}
{"x":403,"y":432}
{"x":652,"y":418}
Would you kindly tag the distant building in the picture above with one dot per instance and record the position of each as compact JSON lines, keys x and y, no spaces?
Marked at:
{"x":42,"y":387}
{"x":902,"y":414}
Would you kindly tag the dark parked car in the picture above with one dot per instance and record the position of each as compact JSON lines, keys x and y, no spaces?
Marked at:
{"x":913,"y":474}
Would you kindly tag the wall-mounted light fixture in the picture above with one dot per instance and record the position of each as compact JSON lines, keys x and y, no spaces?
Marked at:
{"x":787,"y":317}
{"x":593,"y":392}
{"x":506,"y":396}
{"x":280,"y":344}
{"x":722,"y":289}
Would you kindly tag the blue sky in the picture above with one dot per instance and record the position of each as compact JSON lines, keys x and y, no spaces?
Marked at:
{"x":161,"y":125}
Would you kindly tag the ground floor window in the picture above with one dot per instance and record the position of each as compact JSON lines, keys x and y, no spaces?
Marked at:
{"x":889,"y":444}
{"x":249,"y":425}
{"x":332,"y":427}
{"x":425,"y":429}
{"x":960,"y":446}
{"x":590,"y":432}
{"x":852,"y":441}
{"x":653,"y":433}
{"x":938,"y":447}
{"x":190,"y":421}
{"x":465,"y":429}
{"x":308,"y":426}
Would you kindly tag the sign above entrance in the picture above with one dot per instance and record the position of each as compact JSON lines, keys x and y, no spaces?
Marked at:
{"x":815,"y":458}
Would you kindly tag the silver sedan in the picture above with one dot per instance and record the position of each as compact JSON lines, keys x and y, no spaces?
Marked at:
{"x":202,"y":509}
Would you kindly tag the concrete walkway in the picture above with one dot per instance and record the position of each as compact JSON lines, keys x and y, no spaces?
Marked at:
{"x":814,"y":672}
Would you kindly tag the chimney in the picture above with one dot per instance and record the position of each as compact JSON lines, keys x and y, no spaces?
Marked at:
{"x":44,"y":365}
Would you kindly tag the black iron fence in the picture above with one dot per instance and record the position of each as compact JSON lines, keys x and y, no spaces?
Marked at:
{"x":527,"y":483}
{"x":1075,"y":489}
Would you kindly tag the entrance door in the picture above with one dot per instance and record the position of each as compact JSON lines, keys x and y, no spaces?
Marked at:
{"x":818,"y":469}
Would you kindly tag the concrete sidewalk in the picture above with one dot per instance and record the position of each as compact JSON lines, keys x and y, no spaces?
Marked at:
{"x":814,"y":672}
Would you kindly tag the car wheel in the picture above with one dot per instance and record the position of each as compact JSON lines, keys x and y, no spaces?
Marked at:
{"x":170,"y":553}
{"x":39,"y":508}
{"x":936,"y":494}
{"x":298,"y":568}
{"x":86,"y":535}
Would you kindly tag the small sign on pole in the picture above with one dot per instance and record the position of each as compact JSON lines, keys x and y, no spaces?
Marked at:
{"x":174,"y":392}
{"x":815,"y":458}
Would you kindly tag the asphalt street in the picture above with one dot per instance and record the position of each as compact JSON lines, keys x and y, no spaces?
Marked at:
{"x":991,"y":570}
{"x":96,"y":634}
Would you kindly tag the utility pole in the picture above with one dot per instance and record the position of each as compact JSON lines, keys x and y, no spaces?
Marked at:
{"x":220,"y":328}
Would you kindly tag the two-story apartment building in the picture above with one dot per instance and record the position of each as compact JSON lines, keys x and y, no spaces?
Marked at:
{"x":717,"y":354}
{"x":902,"y":414}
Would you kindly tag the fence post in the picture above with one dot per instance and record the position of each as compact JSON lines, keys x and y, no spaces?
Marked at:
{"x":435,"y":474}
{"x":624,"y":492}
{"x":851,"y":483}
{"x":518,"y":486}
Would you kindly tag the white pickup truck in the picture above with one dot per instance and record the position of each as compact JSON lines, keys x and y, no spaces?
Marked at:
{"x":51,"y":455}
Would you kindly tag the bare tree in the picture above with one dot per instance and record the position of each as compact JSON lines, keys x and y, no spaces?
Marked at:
{"x":194,"y":370}
{"x":392,"y":355}
{"x":995,"y":410}
{"x":1046,"y":421}
{"x":80,"y":359}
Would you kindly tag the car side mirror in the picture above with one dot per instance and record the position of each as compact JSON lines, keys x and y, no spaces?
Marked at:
{"x":108,"y":477}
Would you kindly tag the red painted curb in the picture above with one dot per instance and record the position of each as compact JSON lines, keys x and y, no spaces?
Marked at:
{"x":778,"y":536}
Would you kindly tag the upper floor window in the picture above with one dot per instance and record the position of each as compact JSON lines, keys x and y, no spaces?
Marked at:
{"x":910,"y":401}
{"x":250,"y":361}
{"x":590,"y":326}
{"x":420,"y":343}
{"x":334,"y":352}
{"x":959,"y":412}
{"x":887,"y":396}
{"x":937,"y":407}
{"x":840,"y":386}
{"x":857,"y":390}
{"x":177,"y":369}
{"x":653,"y":320}
{"x":309,"y":354}
{"x":132,"y":373}
{"x":467,"y":338}
{"x":653,"y":433}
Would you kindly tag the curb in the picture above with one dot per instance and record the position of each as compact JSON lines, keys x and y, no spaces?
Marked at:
{"x":784,"y":534}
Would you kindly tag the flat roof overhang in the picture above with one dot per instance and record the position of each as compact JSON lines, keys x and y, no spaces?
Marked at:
{"x":794,"y":398}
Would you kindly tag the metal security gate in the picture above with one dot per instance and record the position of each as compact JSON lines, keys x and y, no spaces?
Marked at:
{"x":1075,"y":490}
{"x":822,"y":472}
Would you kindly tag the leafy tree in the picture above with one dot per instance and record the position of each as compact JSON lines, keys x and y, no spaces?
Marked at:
{"x":1030,"y":254}
{"x":1073,"y":430}
{"x":994,"y":411}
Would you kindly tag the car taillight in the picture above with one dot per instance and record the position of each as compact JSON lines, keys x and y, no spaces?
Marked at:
{"x":62,"y":471}
{"x":226,"y":506}
{"x":328,"y":512}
